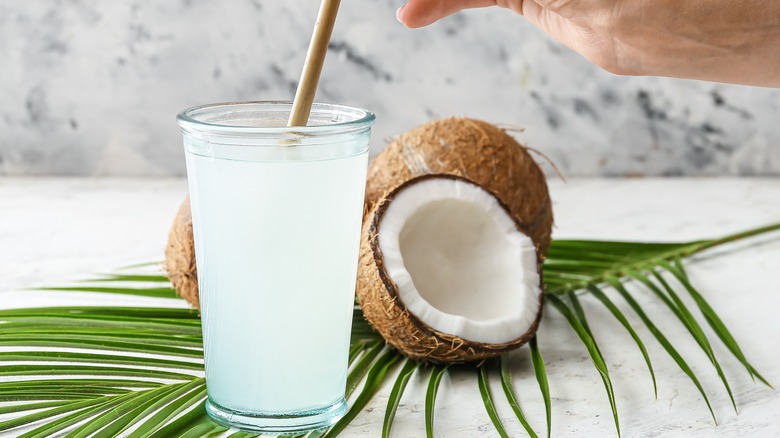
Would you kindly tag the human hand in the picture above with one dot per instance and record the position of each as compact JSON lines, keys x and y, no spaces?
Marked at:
{"x":715,"y":40}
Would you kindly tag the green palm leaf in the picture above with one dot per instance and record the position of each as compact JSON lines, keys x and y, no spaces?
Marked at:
{"x":195,"y":423}
{"x":487,"y":399}
{"x":130,"y":278}
{"x":30,"y":407}
{"x":602,"y":297}
{"x":362,"y":366}
{"x":158,"y":398}
{"x":506,"y":385}
{"x":541,"y":378}
{"x":135,"y":399}
{"x":711,"y":317}
{"x":374,"y":380}
{"x":572,"y":264}
{"x":576,"y":319}
{"x":154,"y":292}
{"x":137,"y":371}
{"x":91,"y":358}
{"x":98,"y":406}
{"x":437,"y":372}
{"x":181,"y":400}
{"x":686,"y":317}
{"x":395,"y":395}
{"x":662,"y":340}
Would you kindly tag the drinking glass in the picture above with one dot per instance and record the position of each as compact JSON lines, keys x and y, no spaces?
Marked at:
{"x":276,"y":214}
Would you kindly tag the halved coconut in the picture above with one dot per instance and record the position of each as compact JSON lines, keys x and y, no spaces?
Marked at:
{"x":446,"y":273}
{"x":476,"y":150}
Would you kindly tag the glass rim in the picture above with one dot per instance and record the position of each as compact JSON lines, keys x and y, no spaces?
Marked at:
{"x":188,"y":121}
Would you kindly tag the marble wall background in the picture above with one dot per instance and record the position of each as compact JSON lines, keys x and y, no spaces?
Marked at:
{"x":91,"y":87}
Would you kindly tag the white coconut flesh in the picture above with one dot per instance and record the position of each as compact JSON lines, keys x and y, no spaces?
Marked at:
{"x":459,"y":262}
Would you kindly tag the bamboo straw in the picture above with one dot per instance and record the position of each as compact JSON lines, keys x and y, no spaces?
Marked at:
{"x":312,"y":68}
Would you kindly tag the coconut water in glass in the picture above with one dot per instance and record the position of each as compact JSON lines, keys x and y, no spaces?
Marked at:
{"x":276,"y":215}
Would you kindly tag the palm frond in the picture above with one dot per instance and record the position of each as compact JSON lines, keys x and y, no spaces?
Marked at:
{"x":576,"y":319}
{"x":194,"y":423}
{"x":361,"y":368}
{"x":104,"y":371}
{"x":685,"y":316}
{"x":583,"y":266}
{"x":614,"y":282}
{"x":154,"y":292}
{"x":129,"y":278}
{"x":77,"y":416}
{"x":126,"y":419}
{"x":572,"y":264}
{"x":506,"y":385}
{"x":180,"y":400}
{"x":711,"y":317}
{"x":602,"y":297}
{"x":395,"y":394}
{"x":487,"y":399}
{"x":374,"y":380}
{"x":92,"y":358}
{"x":437,"y":372}
{"x":541,"y":378}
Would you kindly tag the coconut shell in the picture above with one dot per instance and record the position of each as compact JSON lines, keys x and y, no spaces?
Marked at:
{"x":387,"y":313}
{"x":478,"y":151}
{"x":180,"y":256}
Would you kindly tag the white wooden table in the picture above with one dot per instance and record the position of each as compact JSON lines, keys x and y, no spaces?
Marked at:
{"x":56,"y":230}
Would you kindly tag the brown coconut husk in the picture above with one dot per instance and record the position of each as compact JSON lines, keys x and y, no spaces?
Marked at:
{"x":180,"y":255}
{"x":387,"y":313}
{"x":474,"y":149}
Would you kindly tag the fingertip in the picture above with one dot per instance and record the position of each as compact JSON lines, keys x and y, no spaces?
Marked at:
{"x":420,"y":13}
{"x":404,"y":18}
{"x":399,"y":14}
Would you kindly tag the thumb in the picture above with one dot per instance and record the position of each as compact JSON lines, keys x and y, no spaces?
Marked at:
{"x":419,"y":13}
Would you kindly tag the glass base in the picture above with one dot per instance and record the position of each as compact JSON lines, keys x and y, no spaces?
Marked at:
{"x":277,"y":423}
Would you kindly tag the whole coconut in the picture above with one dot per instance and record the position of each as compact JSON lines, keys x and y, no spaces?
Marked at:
{"x":478,"y":151}
{"x":180,"y":255}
